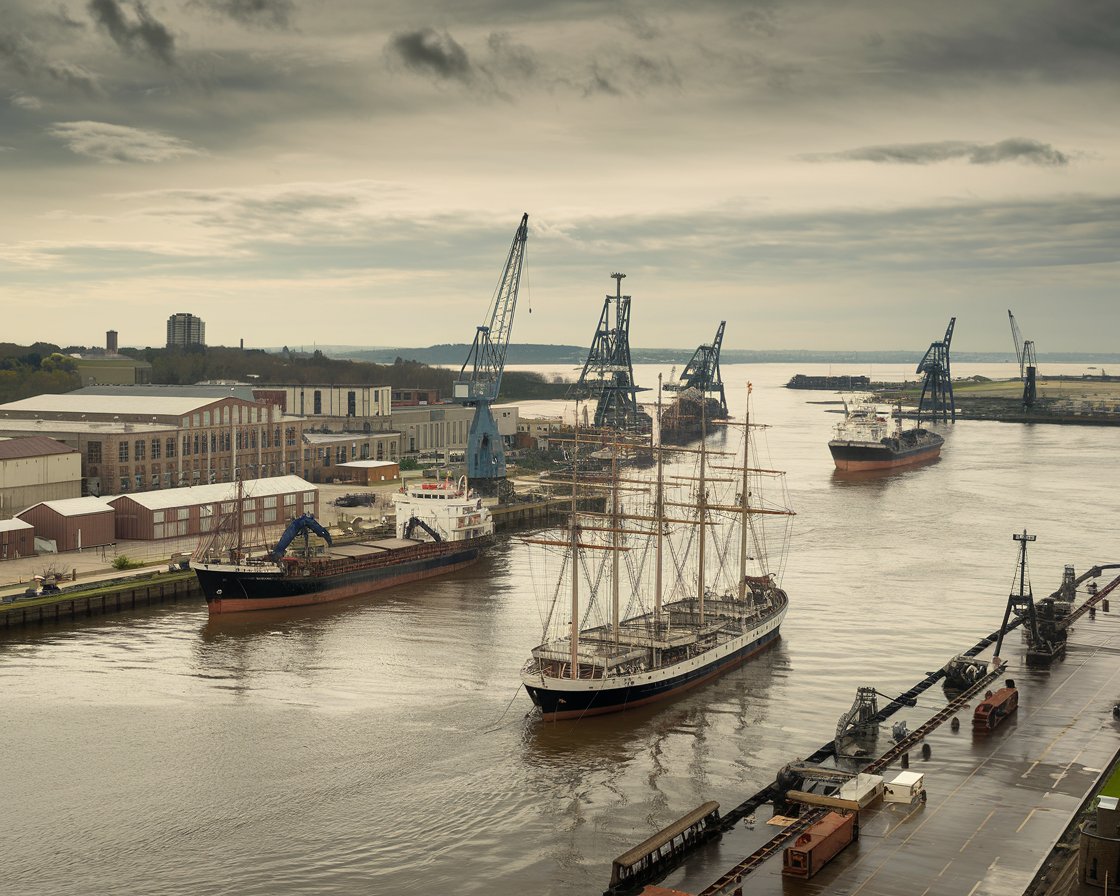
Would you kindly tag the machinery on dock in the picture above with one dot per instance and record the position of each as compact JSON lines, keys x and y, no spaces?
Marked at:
{"x":1045,"y":631}
{"x":480,"y":377}
{"x":938,"y":381}
{"x":1025,"y":358}
{"x":699,"y":395}
{"x":608,"y":374}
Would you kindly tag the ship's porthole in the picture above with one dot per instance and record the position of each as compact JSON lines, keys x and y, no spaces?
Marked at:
{"x":218,"y":592}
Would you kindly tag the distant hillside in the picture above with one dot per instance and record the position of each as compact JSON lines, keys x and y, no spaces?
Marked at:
{"x":529,"y":353}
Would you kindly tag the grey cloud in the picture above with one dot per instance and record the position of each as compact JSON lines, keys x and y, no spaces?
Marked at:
{"x":145,"y":35}
{"x":513,"y":60}
{"x":24,"y":101}
{"x":117,"y":143}
{"x":1015,"y":149}
{"x":265,"y":13}
{"x":1062,"y":41}
{"x":431,"y":52}
{"x":27,"y":60}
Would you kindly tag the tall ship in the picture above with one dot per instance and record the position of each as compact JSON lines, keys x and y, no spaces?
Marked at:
{"x":664,"y":590}
{"x":866,"y":439}
{"x":441,"y":527}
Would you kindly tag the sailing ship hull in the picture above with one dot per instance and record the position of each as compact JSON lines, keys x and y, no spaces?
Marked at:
{"x":237,"y":588}
{"x":561,"y":699}
{"x":914,"y":447}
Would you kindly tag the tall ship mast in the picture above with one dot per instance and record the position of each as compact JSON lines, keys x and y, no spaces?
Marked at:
{"x":668,"y":587}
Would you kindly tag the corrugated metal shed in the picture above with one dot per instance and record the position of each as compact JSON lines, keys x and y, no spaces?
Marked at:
{"x":196,"y":510}
{"x":17,"y":539}
{"x":73,"y":523}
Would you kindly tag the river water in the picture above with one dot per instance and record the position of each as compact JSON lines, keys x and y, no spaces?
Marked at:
{"x":384,"y":746}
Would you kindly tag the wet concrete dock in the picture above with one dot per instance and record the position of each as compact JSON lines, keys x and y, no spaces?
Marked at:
{"x":996,"y":804}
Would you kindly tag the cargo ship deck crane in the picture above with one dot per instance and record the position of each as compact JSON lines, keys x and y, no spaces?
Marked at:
{"x":938,"y":381}
{"x":1025,"y":358}
{"x":480,"y":377}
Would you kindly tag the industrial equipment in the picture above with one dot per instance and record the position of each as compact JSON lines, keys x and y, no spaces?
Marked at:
{"x":702,"y":376}
{"x":1025,"y":358}
{"x":938,"y":381}
{"x":608,"y":374}
{"x":480,"y":377}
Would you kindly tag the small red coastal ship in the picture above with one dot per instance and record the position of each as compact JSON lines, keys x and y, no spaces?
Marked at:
{"x":866,"y":441}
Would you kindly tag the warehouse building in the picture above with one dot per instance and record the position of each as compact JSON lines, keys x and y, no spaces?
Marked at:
{"x":73,"y":524}
{"x":17,"y":539}
{"x":34,"y":469}
{"x":150,"y":438}
{"x":194,"y":511}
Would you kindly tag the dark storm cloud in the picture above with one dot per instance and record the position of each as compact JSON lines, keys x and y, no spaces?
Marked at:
{"x":144,"y":35}
{"x":264,"y":13}
{"x":434,"y":53}
{"x":1015,"y":149}
{"x":26,"y":59}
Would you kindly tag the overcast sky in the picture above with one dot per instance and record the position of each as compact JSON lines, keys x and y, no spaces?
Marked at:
{"x":839,"y":174}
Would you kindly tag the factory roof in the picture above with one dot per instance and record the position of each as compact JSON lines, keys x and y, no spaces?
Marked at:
{"x":192,"y":495}
{"x":77,"y":403}
{"x":32,"y":446}
{"x":74,"y":506}
{"x":206,"y":391}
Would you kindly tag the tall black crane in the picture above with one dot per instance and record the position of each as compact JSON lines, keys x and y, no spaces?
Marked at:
{"x":938,"y":381}
{"x":1024,"y":357}
{"x":702,"y":375}
{"x":481,"y":374}
{"x":608,"y":374}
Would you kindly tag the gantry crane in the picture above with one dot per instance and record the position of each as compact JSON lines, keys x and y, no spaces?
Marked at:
{"x":608,"y":373}
{"x":1024,"y":357}
{"x":702,"y":374}
{"x":481,"y":374}
{"x":938,"y":381}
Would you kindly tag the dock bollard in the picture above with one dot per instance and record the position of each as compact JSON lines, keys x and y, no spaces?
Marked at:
{"x":926,"y":751}
{"x":955,"y":724}
{"x":905,"y":763}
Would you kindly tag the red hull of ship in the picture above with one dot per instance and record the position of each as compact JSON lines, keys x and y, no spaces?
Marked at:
{"x":240,"y":605}
{"x":852,"y":466}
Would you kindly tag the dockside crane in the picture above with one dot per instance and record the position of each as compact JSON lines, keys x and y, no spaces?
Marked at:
{"x":702,"y":374}
{"x":608,"y":373}
{"x":938,"y":381}
{"x":480,"y":377}
{"x":1025,"y":358}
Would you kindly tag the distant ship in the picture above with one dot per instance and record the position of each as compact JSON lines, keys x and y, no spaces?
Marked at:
{"x":866,"y":440}
{"x":678,"y":591}
{"x":440,"y":527}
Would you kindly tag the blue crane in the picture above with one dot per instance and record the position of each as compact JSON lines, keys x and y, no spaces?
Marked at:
{"x":481,"y":374}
